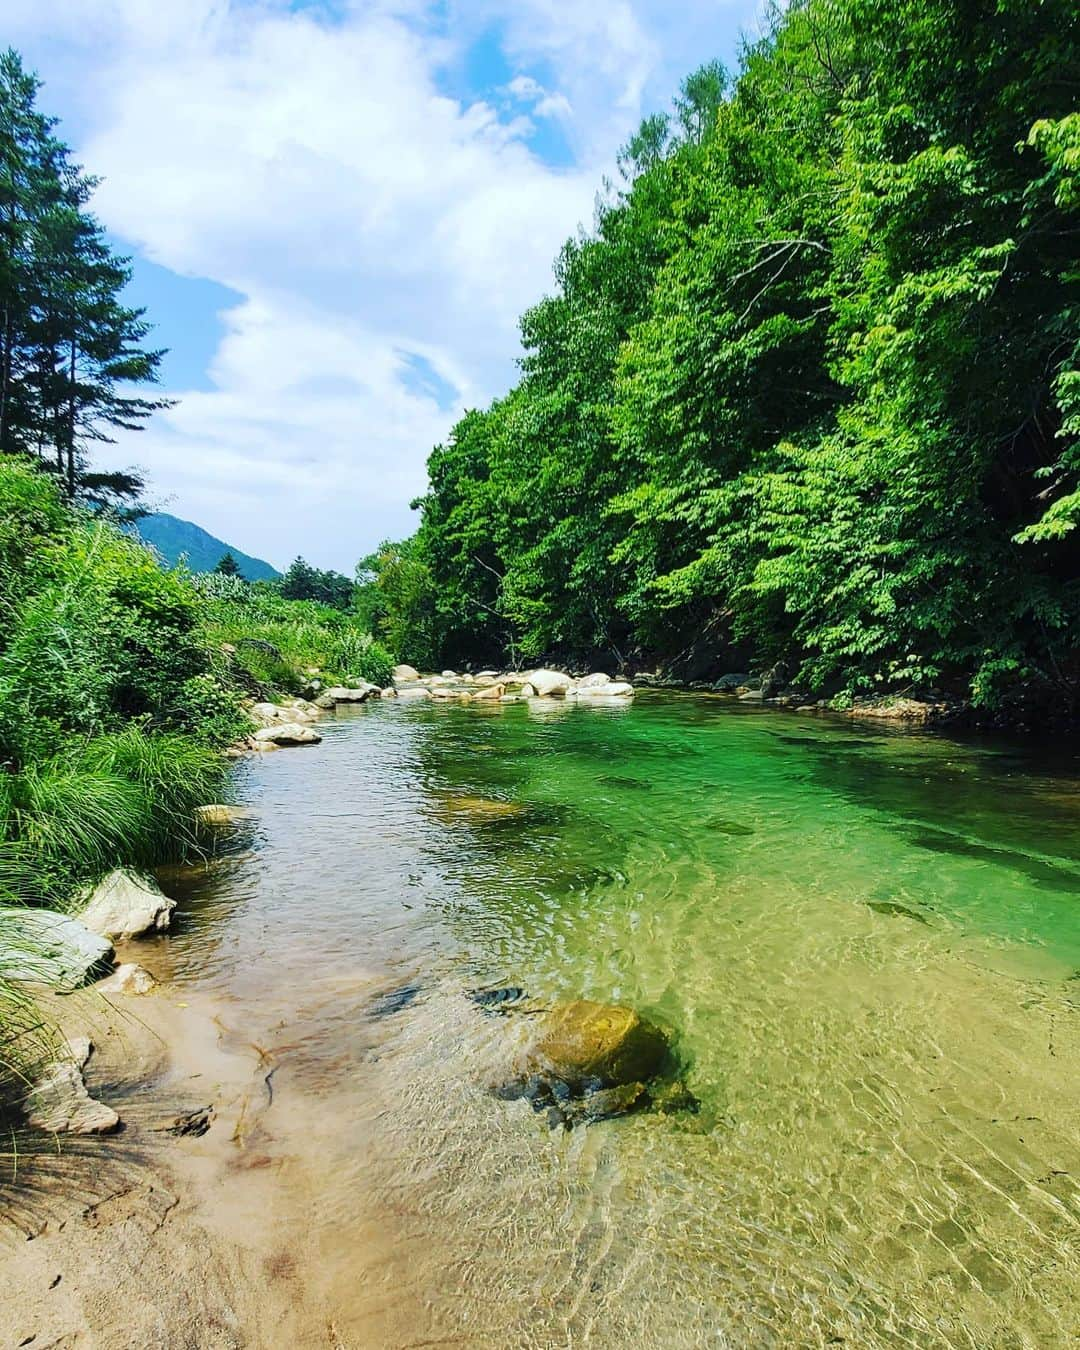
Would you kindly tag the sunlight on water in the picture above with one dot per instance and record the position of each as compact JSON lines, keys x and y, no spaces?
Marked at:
{"x":865,"y":945}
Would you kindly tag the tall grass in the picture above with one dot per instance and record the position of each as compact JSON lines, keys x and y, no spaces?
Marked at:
{"x":122,"y":799}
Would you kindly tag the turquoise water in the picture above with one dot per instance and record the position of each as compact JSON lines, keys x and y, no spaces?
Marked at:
{"x":865,"y":946}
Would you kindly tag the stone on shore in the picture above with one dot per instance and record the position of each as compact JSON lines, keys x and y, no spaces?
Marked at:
{"x":219,"y":813}
{"x":38,"y":946}
{"x":550,"y":683}
{"x":593,"y":681}
{"x":127,"y":978}
{"x":595,"y":1045}
{"x":419,"y":692}
{"x":59,"y":1101}
{"x":288,"y":733}
{"x":404,"y":672}
{"x":265,"y":714}
{"x":125,"y":906}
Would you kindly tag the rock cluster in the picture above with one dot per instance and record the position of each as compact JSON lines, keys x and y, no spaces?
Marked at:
{"x":492,"y":686}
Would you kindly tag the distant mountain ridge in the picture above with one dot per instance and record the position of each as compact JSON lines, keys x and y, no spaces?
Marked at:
{"x":173,"y":537}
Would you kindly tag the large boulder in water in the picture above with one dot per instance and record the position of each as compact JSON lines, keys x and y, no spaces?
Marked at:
{"x":124,"y":906}
{"x":550,"y":683}
{"x":595,"y":1045}
{"x":404,"y":672}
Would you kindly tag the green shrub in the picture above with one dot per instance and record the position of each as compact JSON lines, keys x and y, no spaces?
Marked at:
{"x":359,"y":656}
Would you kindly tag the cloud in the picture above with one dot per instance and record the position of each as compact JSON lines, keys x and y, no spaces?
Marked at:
{"x":309,"y":158}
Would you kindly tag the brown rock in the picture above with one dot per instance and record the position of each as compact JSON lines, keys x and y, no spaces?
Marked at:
{"x":585,"y":1043}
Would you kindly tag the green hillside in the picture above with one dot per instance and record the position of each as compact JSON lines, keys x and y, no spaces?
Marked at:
{"x":173,"y":537}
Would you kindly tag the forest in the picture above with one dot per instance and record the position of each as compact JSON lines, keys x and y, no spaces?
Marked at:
{"x":807,"y":391}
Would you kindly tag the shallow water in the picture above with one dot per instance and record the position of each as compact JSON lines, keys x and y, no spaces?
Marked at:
{"x":865,"y":944}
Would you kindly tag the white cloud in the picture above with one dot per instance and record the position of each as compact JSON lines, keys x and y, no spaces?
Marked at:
{"x":313,"y":164}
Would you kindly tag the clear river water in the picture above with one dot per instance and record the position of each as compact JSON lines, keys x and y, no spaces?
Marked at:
{"x":865,"y":945}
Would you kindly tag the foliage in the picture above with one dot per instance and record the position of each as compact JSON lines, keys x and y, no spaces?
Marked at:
{"x":227,"y":565}
{"x":70,"y":348}
{"x":304,"y":582}
{"x":809,"y":389}
{"x":283,"y":643}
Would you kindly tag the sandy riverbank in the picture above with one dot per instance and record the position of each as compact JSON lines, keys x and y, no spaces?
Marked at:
{"x":146,"y":1238}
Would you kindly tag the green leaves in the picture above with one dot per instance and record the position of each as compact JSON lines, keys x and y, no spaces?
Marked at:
{"x":811,"y":385}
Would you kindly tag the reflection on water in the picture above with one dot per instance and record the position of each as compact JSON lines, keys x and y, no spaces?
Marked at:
{"x":862,"y":944}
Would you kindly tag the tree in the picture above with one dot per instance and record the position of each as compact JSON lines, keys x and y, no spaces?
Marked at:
{"x":304,"y":582}
{"x":227,"y":565}
{"x":73,"y":365}
{"x":810,"y":388}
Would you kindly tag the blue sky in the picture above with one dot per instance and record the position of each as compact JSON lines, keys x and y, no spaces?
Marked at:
{"x":336,"y":211}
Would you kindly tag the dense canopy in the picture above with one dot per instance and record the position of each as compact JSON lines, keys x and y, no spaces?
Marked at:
{"x":809,"y":390}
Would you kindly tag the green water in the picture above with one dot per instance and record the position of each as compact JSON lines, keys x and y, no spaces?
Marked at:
{"x":864,"y":944}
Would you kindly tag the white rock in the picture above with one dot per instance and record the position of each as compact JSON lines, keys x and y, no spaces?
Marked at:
{"x":615,"y":689}
{"x":41,"y":947}
{"x":123,"y":906}
{"x":265,"y":713}
{"x":487,"y":674}
{"x":404,"y":672}
{"x":419,"y":692}
{"x":127,"y":978}
{"x":528,"y":690}
{"x":388,"y":692}
{"x":358,"y":694}
{"x":551,"y":683}
{"x":449,"y":674}
{"x":288,"y":733}
{"x":59,"y":1101}
{"x":593,"y":681}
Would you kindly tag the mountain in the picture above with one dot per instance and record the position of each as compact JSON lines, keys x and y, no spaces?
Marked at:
{"x":173,"y":537}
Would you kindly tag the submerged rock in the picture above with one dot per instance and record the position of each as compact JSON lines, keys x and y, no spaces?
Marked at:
{"x":59,"y":1101}
{"x":894,"y":908}
{"x":480,"y":810}
{"x":595,"y":1044}
{"x":38,"y":946}
{"x":128,"y":978}
{"x":393,"y":1000}
{"x":125,"y":906}
{"x":497,"y":998}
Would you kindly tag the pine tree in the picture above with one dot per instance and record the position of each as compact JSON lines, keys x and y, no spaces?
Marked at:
{"x":72,"y":359}
{"x":228,"y":566}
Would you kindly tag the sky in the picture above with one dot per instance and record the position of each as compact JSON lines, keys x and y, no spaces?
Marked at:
{"x":336,"y":211}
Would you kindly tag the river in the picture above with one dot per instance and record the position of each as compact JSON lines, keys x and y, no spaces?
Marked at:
{"x":865,"y":944}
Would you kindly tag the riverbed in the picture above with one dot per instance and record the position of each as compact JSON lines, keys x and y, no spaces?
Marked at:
{"x":865,"y":945}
